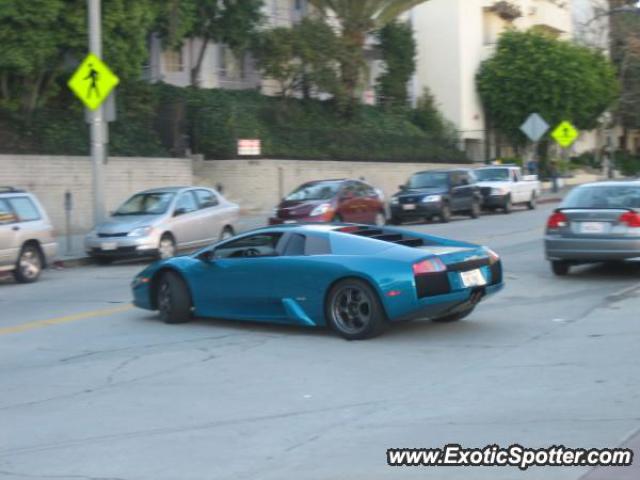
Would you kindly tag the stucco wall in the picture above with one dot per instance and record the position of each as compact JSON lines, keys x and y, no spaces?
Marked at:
{"x":49,"y":177}
{"x":260,"y":184}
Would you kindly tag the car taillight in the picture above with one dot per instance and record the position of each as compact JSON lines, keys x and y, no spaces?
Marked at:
{"x":632,"y":219}
{"x":429,"y":266}
{"x":493,"y":256}
{"x":557,"y":220}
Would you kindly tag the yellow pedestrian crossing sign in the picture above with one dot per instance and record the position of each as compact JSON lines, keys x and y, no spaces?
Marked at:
{"x":565,"y":134}
{"x":93,"y":81}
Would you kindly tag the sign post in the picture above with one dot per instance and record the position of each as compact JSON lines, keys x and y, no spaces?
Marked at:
{"x":565,"y":134}
{"x":92,"y":83}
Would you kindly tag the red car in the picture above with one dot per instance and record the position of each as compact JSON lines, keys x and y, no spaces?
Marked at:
{"x":350,"y":201}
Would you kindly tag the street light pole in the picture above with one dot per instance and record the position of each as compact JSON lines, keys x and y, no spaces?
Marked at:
{"x":98,"y":126}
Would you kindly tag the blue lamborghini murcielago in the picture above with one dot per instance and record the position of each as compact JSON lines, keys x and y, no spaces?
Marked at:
{"x":355,"y":278}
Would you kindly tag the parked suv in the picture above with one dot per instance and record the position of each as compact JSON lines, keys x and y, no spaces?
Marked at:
{"x":437,"y":193}
{"x":162,"y":221}
{"x":27,"y":243}
{"x":331,"y":201}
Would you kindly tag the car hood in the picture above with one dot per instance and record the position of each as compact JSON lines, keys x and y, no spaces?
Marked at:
{"x":126,"y":223}
{"x":421,"y":191}
{"x":294,"y":208}
{"x":494,"y":184}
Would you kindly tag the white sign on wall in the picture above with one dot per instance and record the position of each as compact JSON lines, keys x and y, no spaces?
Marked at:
{"x":249,"y":147}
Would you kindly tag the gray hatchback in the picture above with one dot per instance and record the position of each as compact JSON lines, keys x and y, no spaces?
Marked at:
{"x":597,"y":222}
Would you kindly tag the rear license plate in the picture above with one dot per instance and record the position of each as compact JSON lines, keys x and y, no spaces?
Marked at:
{"x":473,"y":278}
{"x":409,"y":206}
{"x":108,"y":246}
{"x":592,"y":227}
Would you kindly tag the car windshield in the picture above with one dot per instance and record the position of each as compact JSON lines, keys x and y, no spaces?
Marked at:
{"x":146,"y":204}
{"x":314,"y":191}
{"x":604,"y":197}
{"x":429,"y":180}
{"x":492,"y":175}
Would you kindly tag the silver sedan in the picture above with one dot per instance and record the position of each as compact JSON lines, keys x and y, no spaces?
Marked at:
{"x":163,"y":221}
{"x":597,"y":222}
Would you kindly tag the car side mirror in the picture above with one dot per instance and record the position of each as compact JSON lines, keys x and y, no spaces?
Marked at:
{"x":179,"y":211}
{"x":208,"y":256}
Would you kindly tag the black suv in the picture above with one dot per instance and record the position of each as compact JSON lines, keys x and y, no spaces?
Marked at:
{"x":437,"y":193}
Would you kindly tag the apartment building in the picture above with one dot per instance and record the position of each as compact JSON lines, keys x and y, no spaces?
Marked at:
{"x":220,"y":67}
{"x":455,"y":36}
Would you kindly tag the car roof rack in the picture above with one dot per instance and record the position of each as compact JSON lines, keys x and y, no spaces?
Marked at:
{"x":10,"y":190}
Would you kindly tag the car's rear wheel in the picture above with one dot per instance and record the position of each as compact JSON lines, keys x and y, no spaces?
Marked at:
{"x":560,"y":268}
{"x":533,"y":202}
{"x":173,"y":299}
{"x":29,"y":264}
{"x":227,"y":232}
{"x":445,"y":213}
{"x":354,"y":311}
{"x":380,"y":220}
{"x":454,"y":317}
{"x":167,"y":246}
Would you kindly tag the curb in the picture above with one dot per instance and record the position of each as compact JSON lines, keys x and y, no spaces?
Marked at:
{"x":549,"y":200}
{"x":72,"y":262}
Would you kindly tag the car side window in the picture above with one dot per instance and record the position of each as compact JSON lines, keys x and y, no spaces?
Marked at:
{"x":349,"y":191}
{"x":454,"y":178}
{"x":186,"y":203}
{"x":6,"y":214}
{"x":24,"y":208}
{"x":206,"y":198}
{"x":295,"y":246}
{"x":258,"y":245}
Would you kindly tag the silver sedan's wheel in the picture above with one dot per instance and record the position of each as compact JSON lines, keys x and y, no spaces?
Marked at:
{"x":167,"y":247}
{"x":29,"y":265}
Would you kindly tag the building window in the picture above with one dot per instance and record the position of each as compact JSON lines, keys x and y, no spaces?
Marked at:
{"x":173,"y":60}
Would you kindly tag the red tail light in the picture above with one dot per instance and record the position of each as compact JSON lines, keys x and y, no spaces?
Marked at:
{"x":429,"y":266}
{"x":632,"y":219}
{"x":557,"y":220}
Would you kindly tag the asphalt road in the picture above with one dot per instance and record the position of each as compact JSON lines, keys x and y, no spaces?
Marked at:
{"x":91,"y":388}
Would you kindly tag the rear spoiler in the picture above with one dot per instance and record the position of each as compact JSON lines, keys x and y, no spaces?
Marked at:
{"x":625,"y":209}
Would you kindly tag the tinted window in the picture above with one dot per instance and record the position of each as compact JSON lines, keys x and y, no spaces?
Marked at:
{"x":613,"y":196}
{"x":206,"y":198}
{"x":186,"y":203}
{"x":493,"y":175}
{"x":259,"y":245}
{"x":155,"y":203}
{"x":6,"y":214}
{"x":25,"y":209}
{"x":314,"y":191}
{"x":429,"y":180}
{"x":349,"y":190}
{"x":295,"y":245}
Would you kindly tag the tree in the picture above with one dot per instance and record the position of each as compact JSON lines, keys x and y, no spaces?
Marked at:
{"x":356,"y":20}
{"x":231,"y":22}
{"x":625,"y":53}
{"x":398,"y":49}
{"x":38,"y":37}
{"x":533,"y":72}
{"x":302,"y":58}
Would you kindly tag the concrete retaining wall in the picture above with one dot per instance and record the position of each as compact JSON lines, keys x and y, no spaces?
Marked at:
{"x":49,"y":177}
{"x":260,"y":184}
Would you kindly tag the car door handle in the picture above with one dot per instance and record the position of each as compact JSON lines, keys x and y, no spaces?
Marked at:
{"x":16,"y":228}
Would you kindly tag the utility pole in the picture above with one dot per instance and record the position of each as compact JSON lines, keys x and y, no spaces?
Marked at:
{"x":98,"y":125}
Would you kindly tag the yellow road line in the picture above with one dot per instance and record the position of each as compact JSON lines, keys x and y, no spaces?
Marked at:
{"x":66,"y":319}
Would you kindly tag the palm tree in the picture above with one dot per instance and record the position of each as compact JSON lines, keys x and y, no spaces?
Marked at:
{"x":357,"y":19}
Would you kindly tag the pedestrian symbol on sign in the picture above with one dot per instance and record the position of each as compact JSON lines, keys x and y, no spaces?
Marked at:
{"x":93,"y":81}
{"x":565,"y":134}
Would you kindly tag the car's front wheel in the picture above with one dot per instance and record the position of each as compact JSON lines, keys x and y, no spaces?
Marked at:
{"x":475,"y":209}
{"x":508,"y":205}
{"x":29,"y":264}
{"x":560,"y":268}
{"x":445,"y":213}
{"x":532,"y":203}
{"x":167,"y":246}
{"x":173,"y":299}
{"x":354,"y":311}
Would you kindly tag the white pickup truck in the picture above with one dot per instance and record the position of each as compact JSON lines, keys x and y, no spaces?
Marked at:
{"x":503,"y":186}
